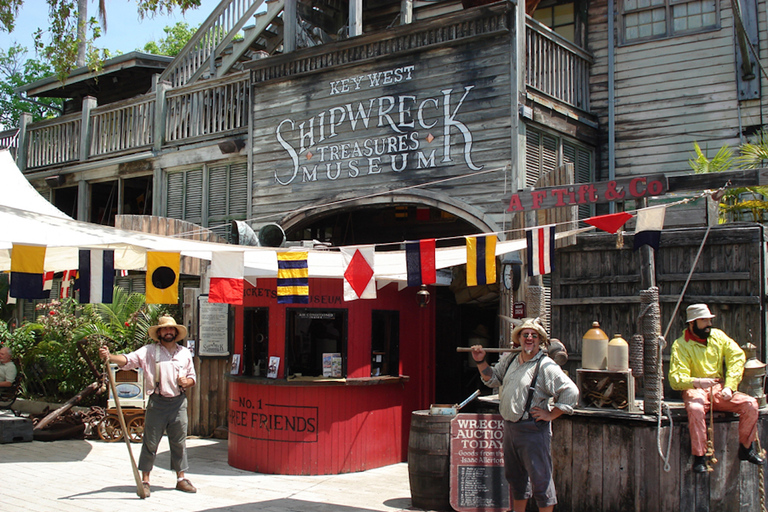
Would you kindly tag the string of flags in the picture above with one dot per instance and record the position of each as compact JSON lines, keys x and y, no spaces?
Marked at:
{"x":94,"y":278}
{"x":96,"y":273}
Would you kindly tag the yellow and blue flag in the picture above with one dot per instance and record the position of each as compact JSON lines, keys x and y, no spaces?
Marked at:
{"x":292,"y":277}
{"x":481,"y":260}
{"x":27,"y":271}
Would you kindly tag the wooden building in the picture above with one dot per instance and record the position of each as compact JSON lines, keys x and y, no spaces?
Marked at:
{"x":348,"y":124}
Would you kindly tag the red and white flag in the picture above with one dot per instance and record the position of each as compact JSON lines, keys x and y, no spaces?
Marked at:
{"x":358,"y":272}
{"x":540,"y":250}
{"x":227,"y":270}
{"x":66,"y":283}
{"x":48,"y":281}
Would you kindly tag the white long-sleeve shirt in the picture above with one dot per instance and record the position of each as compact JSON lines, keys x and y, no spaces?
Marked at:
{"x":553,"y":387}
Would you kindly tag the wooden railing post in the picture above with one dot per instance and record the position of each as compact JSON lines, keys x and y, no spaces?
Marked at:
{"x":23,"y":141}
{"x":161,"y":111}
{"x":89,"y":103}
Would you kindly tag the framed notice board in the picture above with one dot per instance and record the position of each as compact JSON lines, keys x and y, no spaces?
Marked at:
{"x":213,"y":328}
{"x":477,"y":463}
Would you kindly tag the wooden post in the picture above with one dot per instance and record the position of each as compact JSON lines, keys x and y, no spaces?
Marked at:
{"x":161,"y":112}
{"x":355,"y":18}
{"x":89,"y":103}
{"x":290,"y":20}
{"x":21,"y":153}
{"x":406,"y":12}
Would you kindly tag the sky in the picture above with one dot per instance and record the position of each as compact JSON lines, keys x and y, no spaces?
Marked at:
{"x":125,"y":33}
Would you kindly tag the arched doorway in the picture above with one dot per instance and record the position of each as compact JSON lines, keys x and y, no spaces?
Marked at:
{"x":463,"y":315}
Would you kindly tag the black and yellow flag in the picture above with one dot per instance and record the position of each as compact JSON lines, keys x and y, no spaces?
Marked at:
{"x":163,"y":277}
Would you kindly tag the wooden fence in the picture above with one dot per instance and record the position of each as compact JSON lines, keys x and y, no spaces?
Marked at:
{"x":595,"y":280}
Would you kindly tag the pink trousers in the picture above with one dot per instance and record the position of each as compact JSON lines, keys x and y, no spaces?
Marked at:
{"x":697,"y":402}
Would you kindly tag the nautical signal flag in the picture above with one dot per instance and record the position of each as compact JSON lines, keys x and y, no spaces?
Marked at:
{"x":163,"y":277}
{"x":358,"y":273}
{"x":481,"y":260}
{"x":227,"y":271}
{"x":48,"y":281}
{"x":540,"y":250}
{"x":66,"y":283}
{"x":609,"y":223}
{"x":27,"y":269}
{"x":97,"y":275}
{"x":420,"y":262}
{"x":292,"y":277}
{"x":650,"y":222}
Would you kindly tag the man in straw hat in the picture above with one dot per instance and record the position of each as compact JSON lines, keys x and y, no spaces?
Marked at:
{"x":696,"y":369}
{"x":529,"y":380}
{"x":168,"y":373}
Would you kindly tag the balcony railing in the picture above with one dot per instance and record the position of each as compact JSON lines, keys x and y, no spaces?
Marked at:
{"x":53,"y":141}
{"x":557,"y":67}
{"x":122,"y":126}
{"x":215,"y":108}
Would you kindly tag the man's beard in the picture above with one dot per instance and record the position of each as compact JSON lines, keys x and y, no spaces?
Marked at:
{"x":169,"y":337}
{"x":701,"y":333}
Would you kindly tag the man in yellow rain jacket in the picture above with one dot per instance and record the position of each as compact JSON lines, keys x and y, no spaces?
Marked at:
{"x":696,"y":369}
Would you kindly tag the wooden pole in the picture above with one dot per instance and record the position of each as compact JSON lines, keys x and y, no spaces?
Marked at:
{"x":139,"y":485}
{"x":490,"y":350}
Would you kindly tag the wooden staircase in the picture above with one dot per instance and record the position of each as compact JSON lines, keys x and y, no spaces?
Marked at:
{"x":216,"y":47}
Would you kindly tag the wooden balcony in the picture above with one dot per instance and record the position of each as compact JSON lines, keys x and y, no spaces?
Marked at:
{"x":213,"y":109}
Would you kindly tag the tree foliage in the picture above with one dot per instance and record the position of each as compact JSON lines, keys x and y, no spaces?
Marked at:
{"x":17,"y":70}
{"x":735,"y":202}
{"x":58,"y":43}
{"x":50,"y":348}
{"x":176,"y":37}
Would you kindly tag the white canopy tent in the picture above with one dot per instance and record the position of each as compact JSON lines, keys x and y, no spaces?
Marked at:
{"x":28,"y":218}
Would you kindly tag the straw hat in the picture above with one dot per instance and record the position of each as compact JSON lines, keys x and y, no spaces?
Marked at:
{"x":531,"y":323}
{"x":696,"y":311}
{"x":167,"y":321}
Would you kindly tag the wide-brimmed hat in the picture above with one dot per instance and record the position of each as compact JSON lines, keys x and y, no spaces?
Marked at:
{"x":531,"y":323}
{"x":696,"y":311}
{"x":167,"y":321}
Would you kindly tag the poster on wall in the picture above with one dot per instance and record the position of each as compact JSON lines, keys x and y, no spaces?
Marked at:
{"x":213,"y":328}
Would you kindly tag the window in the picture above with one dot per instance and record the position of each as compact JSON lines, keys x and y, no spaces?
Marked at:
{"x":385,"y":343}
{"x":310,"y":333}
{"x":545,"y":152}
{"x":209,"y":196}
{"x":255,"y":342}
{"x":656,"y":19}
{"x":560,"y":18}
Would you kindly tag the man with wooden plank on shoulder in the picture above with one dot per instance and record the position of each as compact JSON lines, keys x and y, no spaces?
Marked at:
{"x":530,"y":381}
{"x":168,"y":373}
{"x":696,"y":369}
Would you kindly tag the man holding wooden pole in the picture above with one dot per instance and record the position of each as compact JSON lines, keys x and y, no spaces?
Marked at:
{"x":534,"y":392}
{"x":168,"y":373}
{"x":696,"y":369}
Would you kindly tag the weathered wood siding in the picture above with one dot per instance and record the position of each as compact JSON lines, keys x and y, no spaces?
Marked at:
{"x":595,"y":281}
{"x":445,"y":113}
{"x":671,"y":93}
{"x":614,"y":466}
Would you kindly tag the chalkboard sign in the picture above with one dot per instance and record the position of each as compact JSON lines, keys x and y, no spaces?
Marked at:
{"x":214,"y":328}
{"x":477,"y":463}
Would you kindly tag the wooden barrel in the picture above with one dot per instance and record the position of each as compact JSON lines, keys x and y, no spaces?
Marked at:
{"x":429,"y":461}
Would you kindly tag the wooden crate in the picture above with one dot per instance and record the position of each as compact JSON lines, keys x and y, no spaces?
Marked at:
{"x":15,"y":430}
{"x":603,"y":389}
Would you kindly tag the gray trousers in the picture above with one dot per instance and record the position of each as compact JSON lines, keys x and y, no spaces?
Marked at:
{"x":165,"y":415}
{"x":528,"y":461}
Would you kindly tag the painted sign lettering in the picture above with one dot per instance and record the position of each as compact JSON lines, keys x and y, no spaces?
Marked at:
{"x":624,"y":189}
{"x":385,"y":133}
{"x":477,"y":463}
{"x":273,"y":422}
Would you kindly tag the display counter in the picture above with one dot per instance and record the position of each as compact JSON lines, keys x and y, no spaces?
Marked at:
{"x":315,"y":426}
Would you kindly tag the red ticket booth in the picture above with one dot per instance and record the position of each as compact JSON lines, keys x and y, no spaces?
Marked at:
{"x":328,"y":387}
